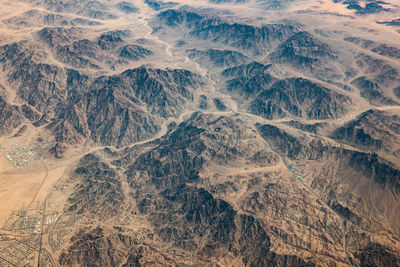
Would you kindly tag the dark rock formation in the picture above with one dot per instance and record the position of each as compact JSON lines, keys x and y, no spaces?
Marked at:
{"x":250,"y":85}
{"x":246,"y":37}
{"x":302,"y":50}
{"x":364,"y":43}
{"x":377,"y":255}
{"x":97,"y":191}
{"x":134,"y":52}
{"x":369,"y":165}
{"x":160,"y":5}
{"x":368,"y":8}
{"x":219,"y":58}
{"x":203,"y":102}
{"x":394,"y":22}
{"x":312,"y":128}
{"x":219,"y":104}
{"x":373,"y":130}
{"x":39,"y":17}
{"x":378,"y":70}
{"x":387,"y":50}
{"x":396,"y":92}
{"x":98,"y":247}
{"x":301,"y":98}
{"x":10,"y":117}
{"x":164,"y":91}
{"x":41,"y":85}
{"x":127,"y":7}
{"x":249,"y":70}
{"x":371,"y":91}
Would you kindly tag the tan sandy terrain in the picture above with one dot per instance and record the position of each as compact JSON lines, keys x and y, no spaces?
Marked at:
{"x":305,"y":188}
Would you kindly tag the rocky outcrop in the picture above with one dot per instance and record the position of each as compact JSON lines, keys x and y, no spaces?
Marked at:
{"x":219,"y":104}
{"x":91,"y":9}
{"x":10,"y":117}
{"x":97,"y":191}
{"x":378,"y":70}
{"x":387,"y":50}
{"x":373,"y":130}
{"x":123,"y":109}
{"x":219,"y":58}
{"x":98,"y":246}
{"x":394,"y":22}
{"x":250,"y":85}
{"x":302,"y":50}
{"x":160,"y":5}
{"x":364,"y":43}
{"x":200,"y":214}
{"x":108,"y":49}
{"x":29,"y":112}
{"x":134,"y":52}
{"x":369,"y":165}
{"x":242,"y":36}
{"x":396,"y":92}
{"x":117,"y":110}
{"x":40,"y":17}
{"x":311,"y":128}
{"x":368,"y":8}
{"x":246,"y":70}
{"x":184,"y":152}
{"x":300,"y":98}
{"x":246,"y":37}
{"x":41,"y":85}
{"x":165,"y":92}
{"x":377,"y":255}
{"x":371,"y":91}
{"x":127,"y":7}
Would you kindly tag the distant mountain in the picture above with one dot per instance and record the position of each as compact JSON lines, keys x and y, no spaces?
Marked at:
{"x":237,"y":35}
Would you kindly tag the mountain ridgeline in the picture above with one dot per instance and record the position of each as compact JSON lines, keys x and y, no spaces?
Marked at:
{"x":203,"y":133}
